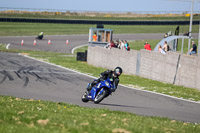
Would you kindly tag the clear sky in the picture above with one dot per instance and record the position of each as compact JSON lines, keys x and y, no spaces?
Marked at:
{"x":105,"y":5}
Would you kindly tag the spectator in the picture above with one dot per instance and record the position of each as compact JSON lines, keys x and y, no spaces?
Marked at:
{"x":117,"y":44}
{"x":160,"y":50}
{"x":99,"y":37}
{"x":168,"y":34}
{"x":193,"y":50}
{"x":108,"y":45}
{"x":122,"y":45}
{"x":126,"y":45}
{"x":95,"y":37}
{"x":186,"y":34}
{"x":165,"y":36}
{"x":112,"y":44}
{"x":147,"y":46}
{"x":166,"y":47}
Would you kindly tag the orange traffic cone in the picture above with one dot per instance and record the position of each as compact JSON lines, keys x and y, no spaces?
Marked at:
{"x":34,"y":42}
{"x":67,"y":42}
{"x":22,"y":42}
{"x":49,"y":42}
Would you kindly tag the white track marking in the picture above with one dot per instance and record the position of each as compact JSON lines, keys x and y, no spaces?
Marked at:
{"x":78,"y":47}
{"x":119,"y":84}
{"x":7,"y":46}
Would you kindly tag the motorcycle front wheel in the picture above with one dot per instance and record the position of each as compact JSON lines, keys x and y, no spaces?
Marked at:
{"x":84,"y":97}
{"x":100,"y":96}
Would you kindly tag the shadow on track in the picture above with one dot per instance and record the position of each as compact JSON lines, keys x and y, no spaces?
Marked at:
{"x":127,"y":106}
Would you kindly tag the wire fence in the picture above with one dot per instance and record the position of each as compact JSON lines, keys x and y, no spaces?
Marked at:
{"x":8,"y":14}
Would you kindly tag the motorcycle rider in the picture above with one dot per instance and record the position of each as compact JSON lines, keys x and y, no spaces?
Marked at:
{"x":40,"y":36}
{"x":113,"y":75}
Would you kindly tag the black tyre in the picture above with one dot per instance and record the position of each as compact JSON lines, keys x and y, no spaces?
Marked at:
{"x":99,"y":97}
{"x":84,"y":97}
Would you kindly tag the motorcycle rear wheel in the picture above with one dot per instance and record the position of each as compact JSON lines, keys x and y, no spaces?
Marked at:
{"x":99,"y":97}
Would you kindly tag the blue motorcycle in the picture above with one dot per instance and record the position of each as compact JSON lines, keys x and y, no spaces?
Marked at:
{"x":98,"y":92}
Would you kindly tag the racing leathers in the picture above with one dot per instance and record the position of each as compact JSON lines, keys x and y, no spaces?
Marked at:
{"x":40,"y":36}
{"x":103,"y":76}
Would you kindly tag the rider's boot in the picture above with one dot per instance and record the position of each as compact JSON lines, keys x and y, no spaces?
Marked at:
{"x":90,"y":85}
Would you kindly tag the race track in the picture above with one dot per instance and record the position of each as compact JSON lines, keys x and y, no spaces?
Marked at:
{"x":58,"y":43}
{"x":28,"y":78}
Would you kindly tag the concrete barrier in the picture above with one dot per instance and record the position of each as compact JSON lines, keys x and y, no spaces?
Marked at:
{"x":189,"y":71}
{"x":170,"y":68}
{"x":146,"y":64}
{"x":157,"y":66}
{"x":111,"y":58}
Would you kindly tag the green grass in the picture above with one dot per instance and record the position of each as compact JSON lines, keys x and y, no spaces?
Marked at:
{"x":27,"y":115}
{"x":185,"y":46}
{"x":139,"y":44}
{"x":130,"y":80}
{"x":20,"y":29}
{"x":24,"y":29}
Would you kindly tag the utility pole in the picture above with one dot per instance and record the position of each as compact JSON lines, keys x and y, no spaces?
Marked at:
{"x":199,"y":40}
{"x":190,"y":29}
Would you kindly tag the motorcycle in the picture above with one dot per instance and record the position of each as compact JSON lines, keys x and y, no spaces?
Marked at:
{"x":39,"y":37}
{"x":98,"y":92}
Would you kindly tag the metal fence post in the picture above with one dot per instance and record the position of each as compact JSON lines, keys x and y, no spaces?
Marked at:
{"x":190,"y":29}
{"x":182,"y":46}
{"x":199,"y":41}
{"x":138,"y":63}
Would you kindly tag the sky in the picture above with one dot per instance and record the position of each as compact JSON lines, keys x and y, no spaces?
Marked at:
{"x":105,"y":5}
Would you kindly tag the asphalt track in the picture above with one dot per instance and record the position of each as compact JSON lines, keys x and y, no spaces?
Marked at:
{"x":28,"y":78}
{"x":58,"y":43}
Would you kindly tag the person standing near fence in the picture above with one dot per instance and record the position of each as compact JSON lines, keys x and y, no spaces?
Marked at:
{"x":193,"y":50}
{"x":122,"y":44}
{"x":160,"y":50}
{"x":147,"y":46}
{"x":126,"y":45}
{"x":95,"y":37}
{"x":166,"y":47}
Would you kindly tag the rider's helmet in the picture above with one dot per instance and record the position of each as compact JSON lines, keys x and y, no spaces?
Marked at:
{"x":117,"y":71}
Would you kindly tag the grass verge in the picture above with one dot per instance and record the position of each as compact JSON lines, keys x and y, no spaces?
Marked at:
{"x":139,"y":44}
{"x":130,"y":80}
{"x":24,"y":29}
{"x":28,"y":115}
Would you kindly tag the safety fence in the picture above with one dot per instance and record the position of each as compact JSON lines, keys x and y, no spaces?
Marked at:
{"x":98,"y":22}
{"x":171,"y":68}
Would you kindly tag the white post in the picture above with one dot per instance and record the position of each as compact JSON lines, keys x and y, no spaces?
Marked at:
{"x":182,"y":46}
{"x":199,"y":41}
{"x":175,"y":44}
{"x":190,"y":29}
